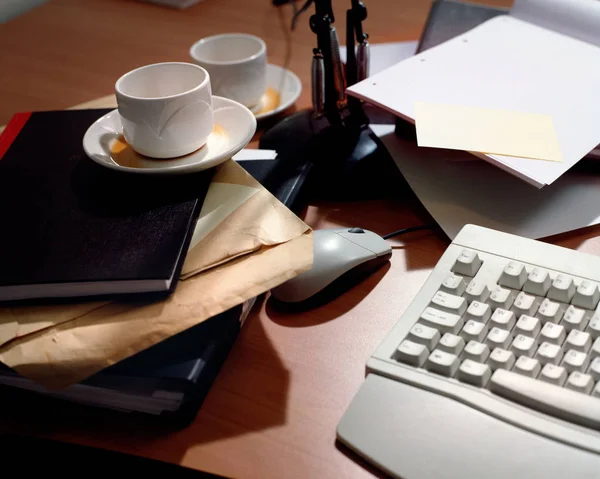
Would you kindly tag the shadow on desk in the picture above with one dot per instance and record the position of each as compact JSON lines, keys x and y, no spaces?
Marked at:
{"x":249,"y":395}
{"x":293,"y":317}
{"x":37,"y":456}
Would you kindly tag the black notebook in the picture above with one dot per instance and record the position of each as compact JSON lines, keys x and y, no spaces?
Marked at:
{"x":70,"y":227}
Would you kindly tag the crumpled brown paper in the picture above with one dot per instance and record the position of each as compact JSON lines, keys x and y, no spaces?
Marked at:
{"x":257,"y":247}
{"x":263,"y":221}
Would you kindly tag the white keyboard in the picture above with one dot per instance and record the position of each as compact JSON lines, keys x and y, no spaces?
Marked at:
{"x":506,"y":326}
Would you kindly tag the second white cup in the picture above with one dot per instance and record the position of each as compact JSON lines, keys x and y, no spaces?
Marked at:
{"x":165,"y":108}
{"x":237,"y":64}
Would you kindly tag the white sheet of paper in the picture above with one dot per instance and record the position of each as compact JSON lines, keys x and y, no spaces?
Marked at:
{"x":221,"y":200}
{"x":248,"y":154}
{"x":384,"y":55}
{"x":458,"y":189}
{"x":508,"y":64}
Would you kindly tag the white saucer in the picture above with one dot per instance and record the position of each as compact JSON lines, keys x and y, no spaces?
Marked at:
{"x":283,"y":89}
{"x":234,"y":127}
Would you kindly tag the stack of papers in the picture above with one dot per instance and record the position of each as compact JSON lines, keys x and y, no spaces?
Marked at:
{"x":510,"y":66}
{"x":457,"y":189}
{"x":493,"y":198}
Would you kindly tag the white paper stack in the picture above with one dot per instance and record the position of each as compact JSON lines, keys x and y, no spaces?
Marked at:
{"x":542,"y":58}
{"x":493,"y":198}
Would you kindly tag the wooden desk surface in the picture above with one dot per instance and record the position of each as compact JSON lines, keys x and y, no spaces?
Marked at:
{"x":273,"y":410}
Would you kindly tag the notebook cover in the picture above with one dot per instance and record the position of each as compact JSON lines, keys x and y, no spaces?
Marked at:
{"x":66,"y":219}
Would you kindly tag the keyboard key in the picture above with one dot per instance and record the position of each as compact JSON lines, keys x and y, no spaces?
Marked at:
{"x":454,"y":284}
{"x":452,"y":344}
{"x":527,"y":367}
{"x":523,"y":345}
{"x":477,"y":291}
{"x":498,"y":338}
{"x":474,"y":331}
{"x":442,"y":321}
{"x":474,"y":373}
{"x":424,"y":335}
{"x":513,"y":276}
{"x":412,"y":353}
{"x":528,"y":326}
{"x":580,"y":382}
{"x":594,"y":326}
{"x":549,"y":353}
{"x":467,"y":263}
{"x":548,"y":398}
{"x":594,"y":369}
{"x":538,"y":282}
{"x":503,"y":319}
{"x":579,"y":341}
{"x":550,"y":311}
{"x":575,"y":361}
{"x":596,"y":391}
{"x":442,"y":363}
{"x":553,"y":374}
{"x":553,"y":333}
{"x":587,"y":295}
{"x":574,"y":318}
{"x":501,"y":298}
{"x":562,"y":288}
{"x":449,"y":303}
{"x":476,"y":351}
{"x":501,"y":359}
{"x":478,"y":311}
{"x":595,"y":351}
{"x":525,"y":304}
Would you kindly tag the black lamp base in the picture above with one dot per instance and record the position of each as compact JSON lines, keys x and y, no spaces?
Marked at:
{"x":347,"y":163}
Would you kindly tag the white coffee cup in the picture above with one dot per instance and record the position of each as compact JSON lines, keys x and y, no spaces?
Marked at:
{"x":237,"y":63}
{"x":165,"y":108}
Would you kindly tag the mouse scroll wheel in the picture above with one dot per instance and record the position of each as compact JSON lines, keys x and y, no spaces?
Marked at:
{"x":356,"y":230}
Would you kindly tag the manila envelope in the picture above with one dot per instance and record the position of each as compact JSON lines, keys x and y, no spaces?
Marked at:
{"x":246,"y":243}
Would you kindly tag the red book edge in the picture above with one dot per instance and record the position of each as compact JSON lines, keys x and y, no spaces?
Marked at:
{"x":12,"y":130}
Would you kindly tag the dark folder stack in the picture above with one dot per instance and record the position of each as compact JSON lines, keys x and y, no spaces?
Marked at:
{"x":71,"y":228}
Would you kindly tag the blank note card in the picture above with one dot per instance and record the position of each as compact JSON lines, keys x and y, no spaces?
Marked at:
{"x":483,"y":130}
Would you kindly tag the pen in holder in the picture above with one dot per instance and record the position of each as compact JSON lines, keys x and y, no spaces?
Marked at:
{"x":347,"y":160}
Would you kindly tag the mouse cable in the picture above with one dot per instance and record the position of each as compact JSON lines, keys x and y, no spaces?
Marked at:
{"x":408,"y":230}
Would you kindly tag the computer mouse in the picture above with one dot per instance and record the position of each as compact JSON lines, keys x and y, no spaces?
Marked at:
{"x":341,"y":257}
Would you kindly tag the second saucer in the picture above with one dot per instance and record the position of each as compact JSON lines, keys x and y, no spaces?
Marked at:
{"x":283,"y":89}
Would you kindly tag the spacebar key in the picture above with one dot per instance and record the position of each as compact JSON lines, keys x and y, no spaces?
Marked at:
{"x":562,"y":403}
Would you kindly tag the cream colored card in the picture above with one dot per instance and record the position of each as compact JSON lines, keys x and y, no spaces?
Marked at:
{"x":484,"y":130}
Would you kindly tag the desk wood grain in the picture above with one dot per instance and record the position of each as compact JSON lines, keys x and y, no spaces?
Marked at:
{"x":273,"y":410}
